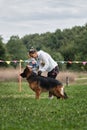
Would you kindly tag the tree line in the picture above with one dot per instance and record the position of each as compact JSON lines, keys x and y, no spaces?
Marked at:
{"x":62,"y":45}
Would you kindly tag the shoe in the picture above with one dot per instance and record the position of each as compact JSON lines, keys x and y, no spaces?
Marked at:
{"x":51,"y":97}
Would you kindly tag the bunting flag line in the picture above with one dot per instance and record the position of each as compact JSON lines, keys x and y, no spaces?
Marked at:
{"x":27,"y":61}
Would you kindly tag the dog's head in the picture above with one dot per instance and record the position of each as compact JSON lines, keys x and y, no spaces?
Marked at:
{"x":27,"y":72}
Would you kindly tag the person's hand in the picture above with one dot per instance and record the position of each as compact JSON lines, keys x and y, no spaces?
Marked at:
{"x":39,"y":73}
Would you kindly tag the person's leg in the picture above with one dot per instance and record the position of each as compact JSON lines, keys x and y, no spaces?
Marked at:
{"x":53,"y":74}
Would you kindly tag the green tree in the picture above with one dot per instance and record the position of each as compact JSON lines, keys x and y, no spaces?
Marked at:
{"x":16,"y":49}
{"x":3,"y":54}
{"x":2,"y":50}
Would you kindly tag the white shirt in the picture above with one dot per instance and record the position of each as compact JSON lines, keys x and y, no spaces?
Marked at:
{"x":45,"y":61}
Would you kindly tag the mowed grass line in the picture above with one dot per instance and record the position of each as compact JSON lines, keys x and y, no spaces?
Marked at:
{"x":20,"y":110}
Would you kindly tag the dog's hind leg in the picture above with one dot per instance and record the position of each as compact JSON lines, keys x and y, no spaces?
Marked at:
{"x":59,"y":93}
{"x":60,"y":96}
{"x":65,"y":95}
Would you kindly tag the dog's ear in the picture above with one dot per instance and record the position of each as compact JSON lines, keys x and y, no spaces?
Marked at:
{"x":22,"y":75}
{"x":29,"y":68}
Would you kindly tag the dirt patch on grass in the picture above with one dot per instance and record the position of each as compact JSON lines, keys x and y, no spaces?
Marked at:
{"x":11,"y":74}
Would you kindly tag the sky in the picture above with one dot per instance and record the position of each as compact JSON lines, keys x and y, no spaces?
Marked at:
{"x":24,"y":17}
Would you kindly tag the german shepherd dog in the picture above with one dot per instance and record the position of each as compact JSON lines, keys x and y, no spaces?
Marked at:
{"x":41,"y":84}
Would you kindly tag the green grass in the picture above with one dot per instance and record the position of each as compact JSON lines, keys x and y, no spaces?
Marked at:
{"x":21,"y":111}
{"x":81,"y":81}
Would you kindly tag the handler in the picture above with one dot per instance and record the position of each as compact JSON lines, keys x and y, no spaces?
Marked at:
{"x":45,"y":63}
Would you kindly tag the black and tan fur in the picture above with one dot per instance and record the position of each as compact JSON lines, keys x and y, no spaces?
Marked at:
{"x":41,"y":84}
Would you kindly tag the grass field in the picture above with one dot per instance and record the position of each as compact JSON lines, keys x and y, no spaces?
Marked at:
{"x":21,"y":111}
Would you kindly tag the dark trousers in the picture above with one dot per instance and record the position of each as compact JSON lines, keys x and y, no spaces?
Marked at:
{"x":53,"y":74}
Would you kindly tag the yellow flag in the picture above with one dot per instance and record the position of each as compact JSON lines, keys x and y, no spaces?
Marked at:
{"x":21,"y":60}
{"x":8,"y":62}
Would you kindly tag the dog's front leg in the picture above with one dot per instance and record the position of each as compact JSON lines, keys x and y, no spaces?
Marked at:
{"x":38,"y":92}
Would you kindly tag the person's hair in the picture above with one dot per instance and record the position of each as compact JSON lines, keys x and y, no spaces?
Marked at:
{"x":32,"y":50}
